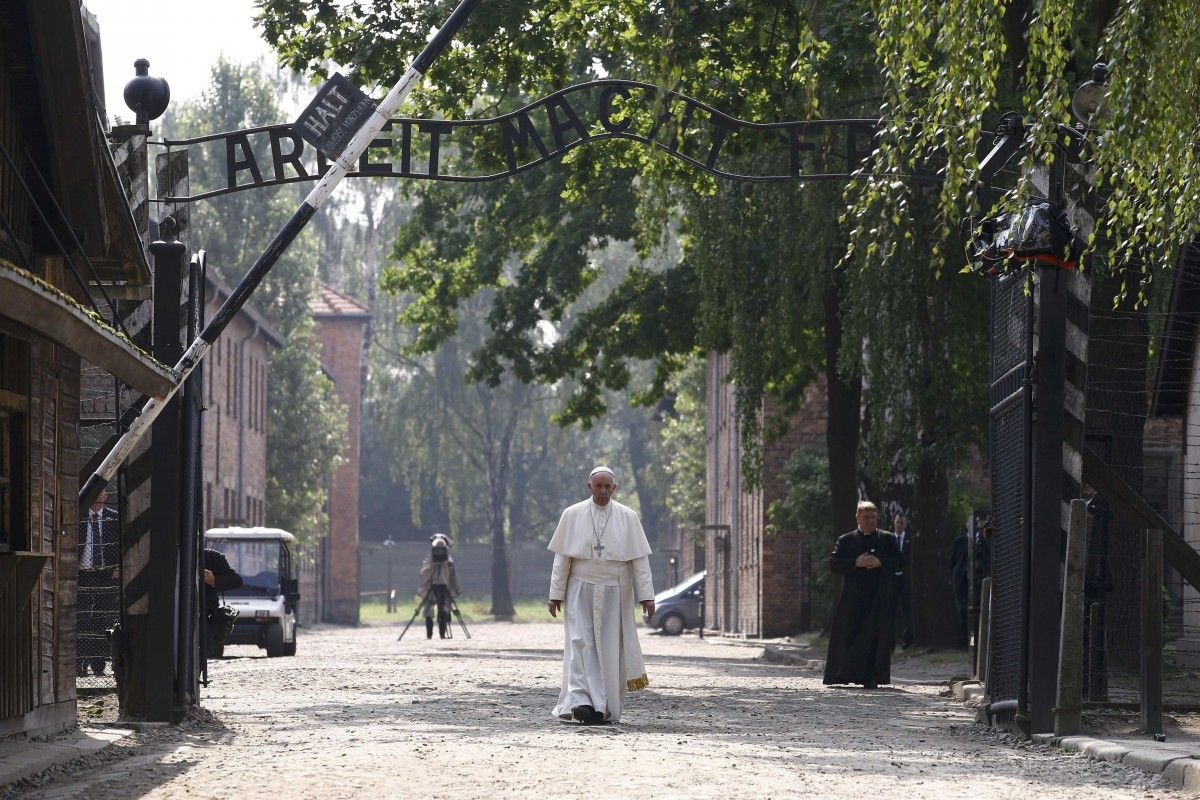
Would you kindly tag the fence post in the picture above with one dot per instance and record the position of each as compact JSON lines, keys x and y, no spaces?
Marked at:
{"x":1069,"y":703}
{"x":1152,"y":633}
{"x":983,"y":644}
{"x":153,"y":670}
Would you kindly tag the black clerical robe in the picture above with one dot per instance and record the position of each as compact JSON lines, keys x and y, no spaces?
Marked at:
{"x":860,"y":638}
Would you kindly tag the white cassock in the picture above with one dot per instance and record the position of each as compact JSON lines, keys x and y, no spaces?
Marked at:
{"x":602,"y":658}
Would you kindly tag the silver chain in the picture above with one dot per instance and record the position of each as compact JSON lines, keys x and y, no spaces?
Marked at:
{"x":599,"y":535}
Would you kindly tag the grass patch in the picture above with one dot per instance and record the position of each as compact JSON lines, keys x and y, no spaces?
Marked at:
{"x":374,"y":611}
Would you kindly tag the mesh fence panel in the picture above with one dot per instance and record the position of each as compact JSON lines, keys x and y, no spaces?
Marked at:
{"x":1010,"y":326}
{"x":98,"y":593}
{"x":97,"y":601}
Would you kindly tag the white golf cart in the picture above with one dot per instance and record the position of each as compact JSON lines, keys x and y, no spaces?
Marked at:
{"x":266,"y":602}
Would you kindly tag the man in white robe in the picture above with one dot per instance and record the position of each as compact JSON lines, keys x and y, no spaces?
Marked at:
{"x":601,"y":567}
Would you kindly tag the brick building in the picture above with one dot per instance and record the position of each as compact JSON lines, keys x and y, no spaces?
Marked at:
{"x":341,"y":327}
{"x":235,"y":422}
{"x":757,"y":577}
{"x":64,"y":186}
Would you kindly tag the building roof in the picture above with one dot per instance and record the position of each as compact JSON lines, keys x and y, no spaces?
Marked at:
{"x":217,"y":290}
{"x":57,"y":88}
{"x":53,"y":314}
{"x":329,"y":302}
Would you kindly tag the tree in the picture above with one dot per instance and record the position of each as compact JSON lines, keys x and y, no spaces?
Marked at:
{"x":873,"y":298}
{"x":304,"y":440}
{"x":683,"y":449}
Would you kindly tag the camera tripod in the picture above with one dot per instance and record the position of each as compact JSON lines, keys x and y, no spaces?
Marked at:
{"x":426,"y":601}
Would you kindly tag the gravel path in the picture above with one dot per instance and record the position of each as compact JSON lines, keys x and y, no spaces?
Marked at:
{"x":358,"y":714}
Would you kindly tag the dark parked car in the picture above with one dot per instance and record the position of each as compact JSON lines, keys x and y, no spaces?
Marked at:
{"x":678,"y":608}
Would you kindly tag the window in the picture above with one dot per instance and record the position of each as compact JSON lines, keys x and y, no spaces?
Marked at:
{"x":252,"y":407}
{"x":228,"y":378}
{"x":14,"y":445}
{"x":6,"y":526}
{"x":262,"y":398}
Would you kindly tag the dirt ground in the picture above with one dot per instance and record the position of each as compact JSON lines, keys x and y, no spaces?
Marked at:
{"x":356,"y":714}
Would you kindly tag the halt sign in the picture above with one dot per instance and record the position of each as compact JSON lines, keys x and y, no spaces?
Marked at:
{"x":334,"y":116}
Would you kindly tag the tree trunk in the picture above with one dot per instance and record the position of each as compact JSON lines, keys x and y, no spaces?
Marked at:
{"x":498,"y":477}
{"x":842,"y":426}
{"x":518,"y":521}
{"x":933,"y":533}
{"x":933,"y":543}
{"x":639,"y":462}
{"x":502,"y":605}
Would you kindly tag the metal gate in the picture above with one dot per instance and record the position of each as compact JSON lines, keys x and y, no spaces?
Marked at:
{"x":1011,"y":332}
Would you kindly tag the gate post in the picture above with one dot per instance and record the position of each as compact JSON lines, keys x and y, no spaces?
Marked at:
{"x":1068,"y":709}
{"x":158,"y":644}
{"x":1152,"y":633}
{"x":1046,"y":504}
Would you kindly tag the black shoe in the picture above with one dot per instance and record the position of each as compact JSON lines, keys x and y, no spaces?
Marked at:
{"x":588,"y":715}
{"x":870,"y":685}
{"x":428,"y":628}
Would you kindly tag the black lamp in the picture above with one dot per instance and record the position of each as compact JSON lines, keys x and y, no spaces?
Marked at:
{"x":146,"y":97}
{"x":1090,"y":96}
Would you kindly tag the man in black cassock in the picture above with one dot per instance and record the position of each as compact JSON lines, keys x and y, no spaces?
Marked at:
{"x":860,"y":639}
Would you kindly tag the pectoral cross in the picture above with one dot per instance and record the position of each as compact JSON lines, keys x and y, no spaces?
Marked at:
{"x":599,"y":548}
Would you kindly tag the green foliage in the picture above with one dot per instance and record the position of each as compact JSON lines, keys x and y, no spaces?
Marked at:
{"x":1143,"y":141}
{"x":1147,"y":153}
{"x":807,"y":508}
{"x":683,"y":447}
{"x":304,"y":439}
{"x":750,"y":58}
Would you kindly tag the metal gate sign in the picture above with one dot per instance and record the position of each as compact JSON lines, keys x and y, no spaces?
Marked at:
{"x":503,"y":146}
{"x":331,"y":119}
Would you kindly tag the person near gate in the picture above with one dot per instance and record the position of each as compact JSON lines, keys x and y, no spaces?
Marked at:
{"x":219,"y":577}
{"x":98,"y":594}
{"x":439,"y":585}
{"x":861,"y":636}
{"x":903,"y":584}
{"x":963,"y":572}
{"x":601,"y":568}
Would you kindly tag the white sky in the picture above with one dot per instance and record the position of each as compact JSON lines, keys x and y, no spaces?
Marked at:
{"x":181,"y":38}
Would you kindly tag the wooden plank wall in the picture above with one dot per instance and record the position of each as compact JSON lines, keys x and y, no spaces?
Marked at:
{"x":49,"y":645}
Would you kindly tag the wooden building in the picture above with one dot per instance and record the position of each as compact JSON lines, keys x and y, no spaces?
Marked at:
{"x":65,"y":227}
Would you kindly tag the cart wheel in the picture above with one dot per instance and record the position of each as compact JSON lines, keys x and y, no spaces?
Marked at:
{"x":275,"y":641}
